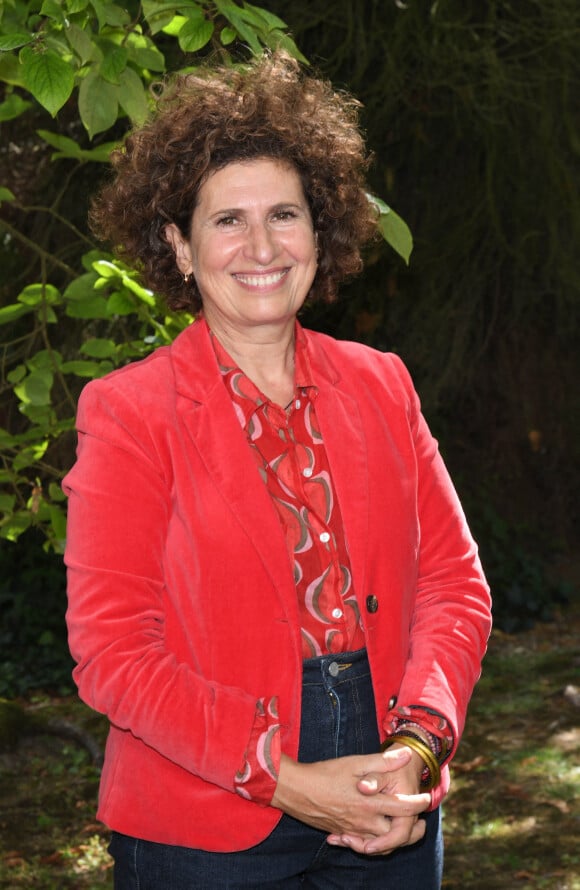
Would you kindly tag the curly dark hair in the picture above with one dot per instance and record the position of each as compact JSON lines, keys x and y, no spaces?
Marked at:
{"x":269,"y":108}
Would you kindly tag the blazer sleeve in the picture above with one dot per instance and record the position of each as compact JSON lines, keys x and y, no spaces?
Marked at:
{"x":451,"y":615}
{"x":119,"y":509}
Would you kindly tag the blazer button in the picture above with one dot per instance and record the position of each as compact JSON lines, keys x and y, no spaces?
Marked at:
{"x":392,"y":702}
{"x":372,"y":603}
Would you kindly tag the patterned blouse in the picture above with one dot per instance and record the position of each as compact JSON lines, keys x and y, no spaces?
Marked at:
{"x":292,"y":462}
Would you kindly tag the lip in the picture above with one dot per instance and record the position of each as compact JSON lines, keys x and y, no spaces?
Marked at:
{"x":261,"y":279}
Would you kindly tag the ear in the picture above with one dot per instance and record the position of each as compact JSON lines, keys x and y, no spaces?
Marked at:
{"x":181,"y":248}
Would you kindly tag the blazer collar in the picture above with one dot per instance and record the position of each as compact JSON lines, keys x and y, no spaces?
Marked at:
{"x":196,"y":371}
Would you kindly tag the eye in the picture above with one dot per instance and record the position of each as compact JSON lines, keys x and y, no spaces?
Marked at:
{"x":226,"y":221}
{"x":285,"y":215}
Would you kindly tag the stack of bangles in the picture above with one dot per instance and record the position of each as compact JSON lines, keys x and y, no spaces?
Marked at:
{"x":432,"y":772}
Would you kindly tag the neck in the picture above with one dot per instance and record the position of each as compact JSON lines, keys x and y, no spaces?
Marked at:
{"x":266,"y":357}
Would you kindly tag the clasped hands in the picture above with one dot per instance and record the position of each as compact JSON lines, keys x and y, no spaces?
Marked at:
{"x":369,"y":802}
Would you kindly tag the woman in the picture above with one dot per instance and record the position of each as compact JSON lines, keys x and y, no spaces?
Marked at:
{"x":273,"y":593}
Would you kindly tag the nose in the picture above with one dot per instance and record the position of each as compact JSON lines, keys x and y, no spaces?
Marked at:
{"x":261,"y":244}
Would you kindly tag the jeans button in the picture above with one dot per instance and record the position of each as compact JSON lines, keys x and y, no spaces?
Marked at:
{"x":333,"y":669}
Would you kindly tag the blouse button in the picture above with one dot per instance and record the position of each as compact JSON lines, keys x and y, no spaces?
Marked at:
{"x":324,"y":537}
{"x":337,"y":613}
{"x":392,"y":702}
{"x":307,"y":471}
{"x":372,"y":603}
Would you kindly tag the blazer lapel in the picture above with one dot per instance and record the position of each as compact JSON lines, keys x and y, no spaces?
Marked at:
{"x":215,"y":432}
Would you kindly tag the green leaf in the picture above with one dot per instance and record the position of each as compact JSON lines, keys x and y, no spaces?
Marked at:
{"x":227,"y":36}
{"x":94,"y":307}
{"x":13,"y":107}
{"x":34,"y":294}
{"x":120,"y":303}
{"x":107,"y":269}
{"x":58,"y":521}
{"x":44,"y":359}
{"x":92,"y":256}
{"x":7,"y":440}
{"x":10,"y":313}
{"x":238,"y":19}
{"x":9,"y":42}
{"x":74,"y":6}
{"x":81,"y":299}
{"x":48,"y":77}
{"x":81,"y":368}
{"x":55,"y":492}
{"x":53,"y":10}
{"x":114,"y":63}
{"x":110,"y":14}
{"x":281,"y":40}
{"x":99,"y":348}
{"x":98,"y":105}
{"x":47,"y":314}
{"x":42,"y":417}
{"x":173,"y":25}
{"x":17,"y":374}
{"x":35,"y":388}
{"x":7,"y":502}
{"x":394,"y":230}
{"x":68,"y":148}
{"x":143,"y":293}
{"x":81,"y":288}
{"x":161,"y":15}
{"x":82,"y":45}
{"x":15,"y":525}
{"x":191,"y":11}
{"x":270,"y":20}
{"x":11,"y":70}
{"x":6,"y":195}
{"x":195,"y":35}
{"x":133,"y":97}
{"x":144,"y":53}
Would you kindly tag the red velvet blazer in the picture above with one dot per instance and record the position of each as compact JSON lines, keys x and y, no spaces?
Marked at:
{"x":182,"y":609}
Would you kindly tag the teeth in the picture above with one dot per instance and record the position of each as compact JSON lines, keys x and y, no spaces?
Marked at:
{"x":265,"y":280}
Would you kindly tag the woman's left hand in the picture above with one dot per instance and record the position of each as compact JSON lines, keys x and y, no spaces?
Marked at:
{"x":402,"y":830}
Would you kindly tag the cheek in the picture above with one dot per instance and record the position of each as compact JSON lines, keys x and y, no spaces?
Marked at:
{"x":213,"y":255}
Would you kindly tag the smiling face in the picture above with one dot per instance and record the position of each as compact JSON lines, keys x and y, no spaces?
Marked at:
{"x":252,"y":248}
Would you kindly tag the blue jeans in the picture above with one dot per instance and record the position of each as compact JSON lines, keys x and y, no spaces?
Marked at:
{"x":338,"y":718}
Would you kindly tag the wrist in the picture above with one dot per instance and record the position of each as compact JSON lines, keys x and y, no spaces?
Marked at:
{"x":431,"y":771}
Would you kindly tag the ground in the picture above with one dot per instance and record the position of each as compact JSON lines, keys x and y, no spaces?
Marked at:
{"x":511,"y":821}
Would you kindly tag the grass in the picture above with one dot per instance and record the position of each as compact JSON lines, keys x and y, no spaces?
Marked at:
{"x":512,"y":819}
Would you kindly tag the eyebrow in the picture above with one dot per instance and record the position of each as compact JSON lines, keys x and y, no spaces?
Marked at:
{"x":281,"y":205}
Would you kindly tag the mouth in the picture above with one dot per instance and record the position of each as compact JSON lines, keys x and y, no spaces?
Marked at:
{"x":266,"y":279}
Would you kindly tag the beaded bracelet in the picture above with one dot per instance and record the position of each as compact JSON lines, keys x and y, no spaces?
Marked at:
{"x":410,"y":740}
{"x":435,"y":743}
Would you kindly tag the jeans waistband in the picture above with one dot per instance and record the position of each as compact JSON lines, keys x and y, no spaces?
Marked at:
{"x":327,"y":669}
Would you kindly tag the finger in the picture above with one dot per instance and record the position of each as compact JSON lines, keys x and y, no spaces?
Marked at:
{"x":372,"y":783}
{"x":386,"y":762}
{"x":353,"y":841}
{"x":408,"y":804}
{"x":401,"y":834}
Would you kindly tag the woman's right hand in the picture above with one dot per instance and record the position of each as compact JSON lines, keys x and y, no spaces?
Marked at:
{"x":325,"y":795}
